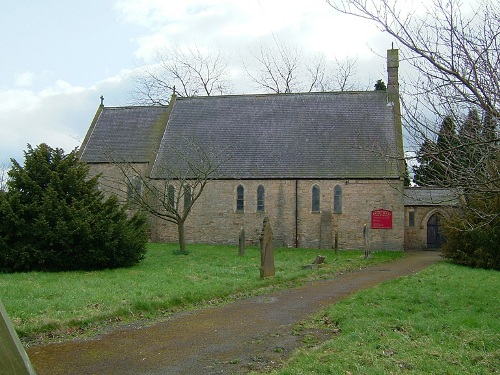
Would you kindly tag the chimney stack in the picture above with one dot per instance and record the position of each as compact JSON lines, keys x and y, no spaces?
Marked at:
{"x":393,"y":100}
{"x":392,"y":73}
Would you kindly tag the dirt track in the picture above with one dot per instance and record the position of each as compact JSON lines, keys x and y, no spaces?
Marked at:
{"x":249,"y":334}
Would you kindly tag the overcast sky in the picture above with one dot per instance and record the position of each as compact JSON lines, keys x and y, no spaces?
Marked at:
{"x":58,"y":57}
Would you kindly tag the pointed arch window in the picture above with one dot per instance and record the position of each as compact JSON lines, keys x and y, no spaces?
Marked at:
{"x":260,"y":198}
{"x":337,"y":199}
{"x":240,"y":198}
{"x":170,"y":197}
{"x":187,"y":197}
{"x":134,"y":187}
{"x":315,"y":198}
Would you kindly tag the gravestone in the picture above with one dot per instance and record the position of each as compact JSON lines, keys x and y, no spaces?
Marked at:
{"x":241,"y":239}
{"x":366,"y":239}
{"x":266,"y":250}
{"x":325,"y":230}
{"x":317,"y":262}
{"x":13,"y":357}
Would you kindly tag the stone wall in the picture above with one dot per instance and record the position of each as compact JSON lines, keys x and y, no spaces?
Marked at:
{"x":215,"y":219}
{"x":416,"y":234}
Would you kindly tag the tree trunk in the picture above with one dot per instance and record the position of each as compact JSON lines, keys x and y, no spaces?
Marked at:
{"x":182,"y":240}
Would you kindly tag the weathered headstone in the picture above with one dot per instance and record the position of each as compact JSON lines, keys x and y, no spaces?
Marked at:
{"x":13,"y":357}
{"x":266,"y":250}
{"x":325,"y":230}
{"x":317,"y":262}
{"x":336,"y":245}
{"x":241,"y":251}
{"x":366,"y":239}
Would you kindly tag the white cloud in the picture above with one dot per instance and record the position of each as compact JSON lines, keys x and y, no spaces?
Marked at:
{"x":25,"y":79}
{"x":58,"y":115}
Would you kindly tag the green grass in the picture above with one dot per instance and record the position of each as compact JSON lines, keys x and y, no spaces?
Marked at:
{"x":43,"y":305}
{"x":443,"y":320}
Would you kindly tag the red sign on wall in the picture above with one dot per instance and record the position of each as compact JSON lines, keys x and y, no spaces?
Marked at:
{"x":381,"y":219}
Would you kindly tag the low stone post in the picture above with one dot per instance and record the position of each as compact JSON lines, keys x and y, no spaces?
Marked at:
{"x":241,"y":240}
{"x":13,"y":357}
{"x":266,"y":250}
{"x":366,"y":239}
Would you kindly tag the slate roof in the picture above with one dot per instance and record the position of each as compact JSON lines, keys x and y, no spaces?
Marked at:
{"x":430,"y":196}
{"x":292,"y":136}
{"x":128,"y":134}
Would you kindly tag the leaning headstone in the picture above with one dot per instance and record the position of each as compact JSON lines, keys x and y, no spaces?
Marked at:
{"x":241,"y":251}
{"x":316,"y":263}
{"x":13,"y":357}
{"x":266,"y":250}
{"x":366,"y":240}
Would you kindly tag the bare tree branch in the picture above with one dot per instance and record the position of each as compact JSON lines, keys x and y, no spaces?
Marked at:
{"x":189,"y":71}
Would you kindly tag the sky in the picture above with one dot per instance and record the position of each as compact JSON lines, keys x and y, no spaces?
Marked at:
{"x":58,"y":57}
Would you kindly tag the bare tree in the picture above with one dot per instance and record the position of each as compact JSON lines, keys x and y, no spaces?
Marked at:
{"x":344,"y":74}
{"x":453,"y":48}
{"x":278,"y":70}
{"x":282,"y":68}
{"x":177,"y":183}
{"x":4,"y":176}
{"x":188,"y":71}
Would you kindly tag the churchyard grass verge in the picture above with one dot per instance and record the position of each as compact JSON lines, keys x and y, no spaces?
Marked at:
{"x":61,"y":304}
{"x":443,"y":320}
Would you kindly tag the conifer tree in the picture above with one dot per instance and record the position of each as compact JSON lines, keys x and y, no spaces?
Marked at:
{"x":54,"y":218}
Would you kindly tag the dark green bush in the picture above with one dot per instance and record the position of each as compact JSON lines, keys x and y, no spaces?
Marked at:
{"x":469,"y":240}
{"x":54,"y":218}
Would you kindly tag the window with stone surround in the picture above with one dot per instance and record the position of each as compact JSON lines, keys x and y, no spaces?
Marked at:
{"x":187,"y":197}
{"x":134,"y":186}
{"x":411,"y":218}
{"x":260,"y":198}
{"x":171,"y":197}
{"x":240,"y":198}
{"x":337,"y":199}
{"x":315,"y":198}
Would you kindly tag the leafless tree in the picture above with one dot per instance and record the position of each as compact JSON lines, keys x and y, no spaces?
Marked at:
{"x":175,"y":186}
{"x":4,"y":169}
{"x":282,"y":68}
{"x":453,"y":48}
{"x":344,"y":75}
{"x":189,"y":71}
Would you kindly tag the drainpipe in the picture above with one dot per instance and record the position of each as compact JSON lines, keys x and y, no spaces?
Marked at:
{"x":296,"y":213}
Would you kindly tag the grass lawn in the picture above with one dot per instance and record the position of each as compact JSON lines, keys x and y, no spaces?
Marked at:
{"x":443,"y":320}
{"x":45,"y":305}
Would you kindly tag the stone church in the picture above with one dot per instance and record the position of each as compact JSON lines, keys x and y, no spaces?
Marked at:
{"x":319,"y":165}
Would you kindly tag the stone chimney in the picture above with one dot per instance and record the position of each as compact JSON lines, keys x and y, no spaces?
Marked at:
{"x":392,"y":73}
{"x":393,"y":100}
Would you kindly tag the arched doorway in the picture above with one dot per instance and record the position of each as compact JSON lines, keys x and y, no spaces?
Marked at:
{"x":434,"y":236}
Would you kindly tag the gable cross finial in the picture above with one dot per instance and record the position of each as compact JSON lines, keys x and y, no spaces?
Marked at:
{"x":102,"y":100}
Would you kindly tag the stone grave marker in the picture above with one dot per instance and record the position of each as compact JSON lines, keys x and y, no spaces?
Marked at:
{"x":266,"y":250}
{"x":366,"y":239}
{"x":241,"y":251}
{"x":317,"y":262}
{"x":325,"y":230}
{"x":13,"y":357}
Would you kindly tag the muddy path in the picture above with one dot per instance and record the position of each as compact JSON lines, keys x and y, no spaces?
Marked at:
{"x":249,"y":334}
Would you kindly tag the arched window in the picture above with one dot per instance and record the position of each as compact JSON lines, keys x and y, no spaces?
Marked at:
{"x":337,"y":199}
{"x":170,"y":197}
{"x":134,"y":186}
{"x":315,"y":198}
{"x":260,"y":198}
{"x":187,"y":197}
{"x":240,"y":198}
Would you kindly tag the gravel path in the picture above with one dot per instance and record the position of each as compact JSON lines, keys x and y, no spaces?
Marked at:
{"x":248,"y":334}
